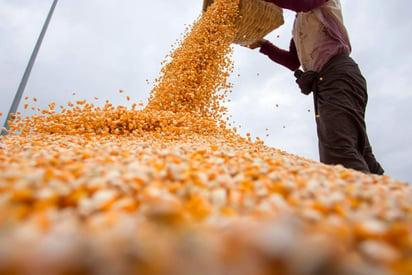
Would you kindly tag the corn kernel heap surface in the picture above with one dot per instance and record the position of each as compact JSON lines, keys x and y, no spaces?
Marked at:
{"x":169,"y":189}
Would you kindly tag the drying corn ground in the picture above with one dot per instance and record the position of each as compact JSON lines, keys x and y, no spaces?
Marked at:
{"x":168,"y":188}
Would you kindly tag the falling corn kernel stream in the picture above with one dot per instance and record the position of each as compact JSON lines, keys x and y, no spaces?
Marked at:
{"x":169,"y":188}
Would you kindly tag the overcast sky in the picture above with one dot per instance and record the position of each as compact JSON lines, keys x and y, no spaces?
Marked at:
{"x":96,"y":47}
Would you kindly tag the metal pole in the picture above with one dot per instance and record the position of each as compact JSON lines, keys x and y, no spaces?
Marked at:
{"x":23,"y":82}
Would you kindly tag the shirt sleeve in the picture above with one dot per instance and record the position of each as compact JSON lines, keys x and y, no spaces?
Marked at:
{"x":298,"y":5}
{"x":289,"y":59}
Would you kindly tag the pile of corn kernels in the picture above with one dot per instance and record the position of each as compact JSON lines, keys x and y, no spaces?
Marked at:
{"x":169,"y":189}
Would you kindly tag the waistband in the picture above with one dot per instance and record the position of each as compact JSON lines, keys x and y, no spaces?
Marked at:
{"x":337,"y":61}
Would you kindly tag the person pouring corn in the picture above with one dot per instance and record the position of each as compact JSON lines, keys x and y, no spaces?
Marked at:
{"x":320,"y":45}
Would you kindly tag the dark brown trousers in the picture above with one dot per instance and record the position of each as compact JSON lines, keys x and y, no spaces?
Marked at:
{"x":340,"y":101}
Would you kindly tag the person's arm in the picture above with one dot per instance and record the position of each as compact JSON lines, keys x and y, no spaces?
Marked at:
{"x":289,"y":59}
{"x":298,"y":5}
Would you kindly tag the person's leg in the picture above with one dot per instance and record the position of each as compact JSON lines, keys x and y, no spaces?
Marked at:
{"x":338,"y":134}
{"x":341,"y":101}
{"x":373,"y":164}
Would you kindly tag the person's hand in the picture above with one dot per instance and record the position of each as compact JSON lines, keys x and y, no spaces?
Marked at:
{"x":257,"y":44}
{"x":306,"y":81}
